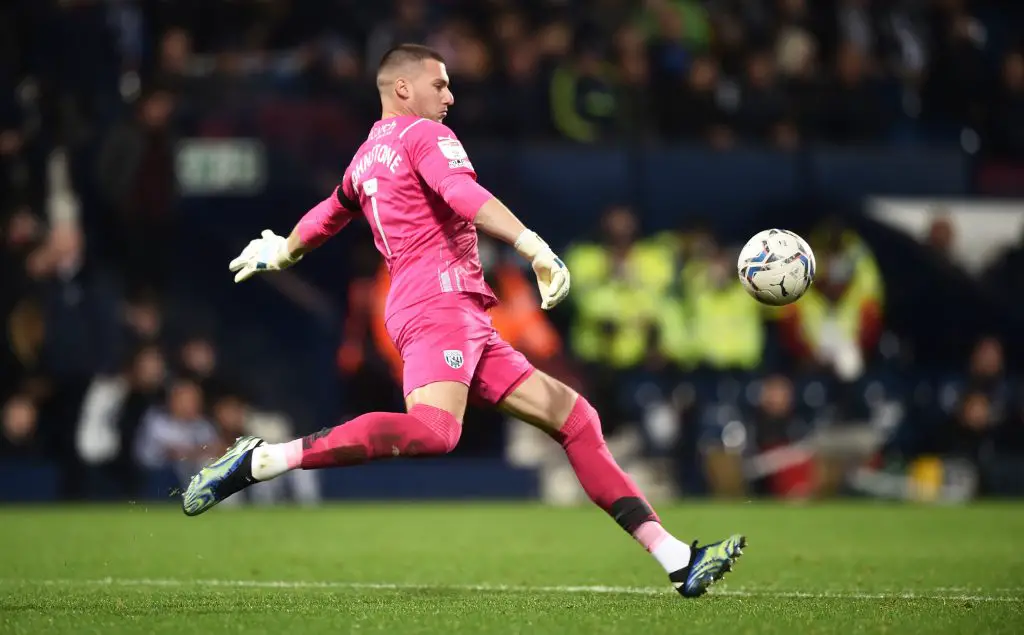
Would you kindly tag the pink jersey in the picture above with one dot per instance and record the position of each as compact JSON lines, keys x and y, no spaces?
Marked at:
{"x":395,"y":176}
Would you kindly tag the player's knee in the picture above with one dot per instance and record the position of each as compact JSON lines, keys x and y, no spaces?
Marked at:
{"x":582,"y":422}
{"x":443,"y":430}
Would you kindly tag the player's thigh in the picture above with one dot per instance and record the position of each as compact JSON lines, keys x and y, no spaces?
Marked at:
{"x":441,"y":348}
{"x":446,"y":395}
{"x":499,"y":372}
{"x":541,"y":400}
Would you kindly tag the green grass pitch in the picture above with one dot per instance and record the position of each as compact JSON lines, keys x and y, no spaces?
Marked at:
{"x":495,"y":568}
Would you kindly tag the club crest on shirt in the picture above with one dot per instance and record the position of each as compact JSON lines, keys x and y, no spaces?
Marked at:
{"x":453,"y":359}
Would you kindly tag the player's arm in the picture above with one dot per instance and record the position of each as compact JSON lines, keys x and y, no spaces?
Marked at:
{"x":495,"y":219}
{"x":271,"y":252}
{"x":441,"y":161}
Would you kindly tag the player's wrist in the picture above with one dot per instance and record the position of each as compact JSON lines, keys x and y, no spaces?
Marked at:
{"x":285,"y":257}
{"x":530,"y":245}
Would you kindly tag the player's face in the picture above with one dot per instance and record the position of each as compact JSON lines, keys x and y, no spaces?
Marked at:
{"x":431,"y":93}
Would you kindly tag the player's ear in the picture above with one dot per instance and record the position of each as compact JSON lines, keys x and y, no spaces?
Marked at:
{"x":402,"y":88}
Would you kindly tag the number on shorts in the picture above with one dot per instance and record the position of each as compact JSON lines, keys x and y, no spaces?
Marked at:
{"x":370,"y":189}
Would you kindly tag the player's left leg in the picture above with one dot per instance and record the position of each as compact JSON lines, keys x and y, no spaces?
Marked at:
{"x":507,"y":379}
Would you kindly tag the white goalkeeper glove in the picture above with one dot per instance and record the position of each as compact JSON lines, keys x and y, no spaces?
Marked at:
{"x":552,"y":274}
{"x":269,"y":252}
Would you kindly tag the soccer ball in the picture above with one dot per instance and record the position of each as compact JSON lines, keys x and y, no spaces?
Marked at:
{"x":776,"y":267}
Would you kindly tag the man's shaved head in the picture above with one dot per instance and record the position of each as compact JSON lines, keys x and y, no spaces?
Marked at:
{"x":412,"y":80}
{"x":401,"y":57}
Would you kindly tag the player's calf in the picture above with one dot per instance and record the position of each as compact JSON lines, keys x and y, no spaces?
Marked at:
{"x":691,"y":569}
{"x":612,"y":489}
{"x":423,"y":431}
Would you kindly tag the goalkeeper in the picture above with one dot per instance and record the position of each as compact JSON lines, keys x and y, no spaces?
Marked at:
{"x":414,"y":183}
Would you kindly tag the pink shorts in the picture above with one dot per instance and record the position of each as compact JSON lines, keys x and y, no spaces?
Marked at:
{"x":449,"y":337}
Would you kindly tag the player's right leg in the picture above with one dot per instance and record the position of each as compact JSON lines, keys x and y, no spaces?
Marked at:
{"x":441,"y":344}
{"x":431,"y":426}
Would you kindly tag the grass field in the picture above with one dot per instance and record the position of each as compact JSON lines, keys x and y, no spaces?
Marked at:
{"x":505,"y":569}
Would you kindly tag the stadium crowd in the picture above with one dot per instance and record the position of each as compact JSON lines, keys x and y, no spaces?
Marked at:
{"x":99,"y":369}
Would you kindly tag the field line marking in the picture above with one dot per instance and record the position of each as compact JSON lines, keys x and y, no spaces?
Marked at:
{"x":943,"y":593}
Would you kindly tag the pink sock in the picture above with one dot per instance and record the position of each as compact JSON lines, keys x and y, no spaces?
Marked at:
{"x":651,"y":534}
{"x":601,"y":477}
{"x":424,"y":431}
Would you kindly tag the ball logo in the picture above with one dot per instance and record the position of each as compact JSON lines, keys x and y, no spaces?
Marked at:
{"x":453,"y":359}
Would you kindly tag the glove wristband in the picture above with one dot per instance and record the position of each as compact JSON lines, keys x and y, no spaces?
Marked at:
{"x":285,"y":257}
{"x":530,"y":245}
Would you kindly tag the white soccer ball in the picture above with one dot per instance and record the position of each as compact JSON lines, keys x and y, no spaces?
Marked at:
{"x":776,"y":267}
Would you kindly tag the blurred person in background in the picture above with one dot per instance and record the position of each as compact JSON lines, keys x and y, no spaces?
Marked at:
{"x":524,"y":107}
{"x":366,"y":357}
{"x":177,"y":434}
{"x":850,"y":110}
{"x":136,"y":175}
{"x":584,"y":95}
{"x":774,"y":427}
{"x":836,"y":325}
{"x":764,"y":115}
{"x":112,"y":411}
{"x":142,"y":318}
{"x":78,"y":302}
{"x":473,"y":70}
{"x":618,"y":284}
{"x":725,"y":331}
{"x":986,"y":374}
{"x":18,"y":425}
{"x":409,"y":21}
{"x":970,"y":432}
{"x":198,"y":358}
{"x":955,"y":85}
{"x":675,"y":31}
{"x":689,"y":107}
{"x":1004,"y":120}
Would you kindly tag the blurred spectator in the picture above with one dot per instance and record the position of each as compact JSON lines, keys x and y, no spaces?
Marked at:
{"x":177,"y":435}
{"x":764,"y":115}
{"x":407,"y":23}
{"x":986,"y":374}
{"x":837,"y":323}
{"x":136,"y":176}
{"x":1005,"y":117}
{"x":851,"y":111}
{"x":143,"y":317}
{"x":198,"y":360}
{"x":618,"y":289}
{"x":956,"y":72}
{"x":78,"y":304}
{"x":113,"y":410}
{"x":689,"y":108}
{"x":775,"y":427}
{"x":475,"y":84}
{"x":970,"y":432}
{"x":18,"y":422}
{"x":584,"y":97}
{"x":942,"y":238}
{"x":368,"y":360}
{"x":727,"y":329}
